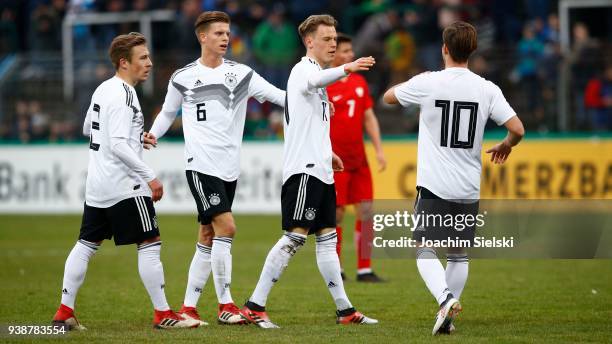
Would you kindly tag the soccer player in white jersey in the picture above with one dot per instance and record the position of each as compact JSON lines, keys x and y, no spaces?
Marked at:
{"x":308,"y":196}
{"x":212,"y":93}
{"x":455,"y":105}
{"x":120,"y":188}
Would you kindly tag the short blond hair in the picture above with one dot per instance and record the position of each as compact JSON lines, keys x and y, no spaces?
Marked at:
{"x":121,"y":47}
{"x":311,"y":24}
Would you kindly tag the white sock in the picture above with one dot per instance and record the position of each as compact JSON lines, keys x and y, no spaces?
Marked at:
{"x":152,"y":274}
{"x":457,"y":265}
{"x":221,"y":262}
{"x":275,"y":264}
{"x":199,"y":270}
{"x":432,"y":273}
{"x":329,"y":266}
{"x":75,"y":270}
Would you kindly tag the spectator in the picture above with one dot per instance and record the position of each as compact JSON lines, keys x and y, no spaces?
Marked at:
{"x":549,"y":32}
{"x":421,"y":20}
{"x":8,"y":31}
{"x":256,"y":123}
{"x":598,"y":100}
{"x":549,"y":72}
{"x":583,"y":60}
{"x":82,"y":37}
{"x":105,"y":33}
{"x":39,"y":121}
{"x":240,"y":46}
{"x":275,"y":46}
{"x":400,"y":51}
{"x":45,"y":34}
{"x":485,"y":28}
{"x":22,"y":126}
{"x":530,"y":53}
{"x":184,"y":39}
{"x":368,"y":42}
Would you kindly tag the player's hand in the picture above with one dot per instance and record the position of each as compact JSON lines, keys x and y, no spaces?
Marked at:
{"x":382,"y":162}
{"x":500,"y":152}
{"x":332,"y":108}
{"x":150,"y":141}
{"x":337,"y":164}
{"x":157,"y":189}
{"x":362,"y":63}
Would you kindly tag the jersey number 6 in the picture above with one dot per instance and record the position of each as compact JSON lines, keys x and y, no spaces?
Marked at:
{"x":201,"y":112}
{"x":457,"y":107}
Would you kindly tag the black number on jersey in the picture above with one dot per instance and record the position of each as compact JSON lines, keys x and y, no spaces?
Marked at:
{"x":457,"y":107}
{"x":286,"y":108}
{"x":324,"y":104}
{"x":95,"y":125}
{"x":201,"y":112}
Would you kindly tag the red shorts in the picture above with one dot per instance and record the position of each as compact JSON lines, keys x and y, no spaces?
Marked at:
{"x":353,"y":186}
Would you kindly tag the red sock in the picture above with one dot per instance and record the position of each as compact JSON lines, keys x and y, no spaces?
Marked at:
{"x":363,"y":236}
{"x":339,"y":244}
{"x":63,"y":312}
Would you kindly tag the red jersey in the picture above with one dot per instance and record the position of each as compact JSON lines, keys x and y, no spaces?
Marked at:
{"x":351,"y":98}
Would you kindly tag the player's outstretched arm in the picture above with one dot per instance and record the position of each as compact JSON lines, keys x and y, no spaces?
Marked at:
{"x":389,"y":96}
{"x":262,"y":90}
{"x":327,"y":76}
{"x":501,"y":151}
{"x":361,"y":64}
{"x":373,"y":129}
{"x":160,"y":126}
{"x":166,"y":116}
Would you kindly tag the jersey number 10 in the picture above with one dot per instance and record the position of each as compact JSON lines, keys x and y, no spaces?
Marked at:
{"x":457,"y":107}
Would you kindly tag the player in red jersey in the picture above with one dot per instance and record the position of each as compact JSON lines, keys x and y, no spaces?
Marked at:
{"x":353,"y":114}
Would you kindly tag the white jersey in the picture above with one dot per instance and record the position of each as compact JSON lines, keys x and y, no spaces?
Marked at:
{"x":307,"y":146}
{"x":114,"y":113}
{"x":213,"y":103}
{"x":455,"y":106}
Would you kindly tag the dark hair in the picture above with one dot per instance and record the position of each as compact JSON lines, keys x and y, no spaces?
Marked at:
{"x":460,"y":39}
{"x":311,"y":24}
{"x":206,"y":18}
{"x":121,"y":47}
{"x":343,"y":38}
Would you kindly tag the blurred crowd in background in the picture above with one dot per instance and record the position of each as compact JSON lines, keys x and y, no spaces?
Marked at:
{"x":518,"y":49}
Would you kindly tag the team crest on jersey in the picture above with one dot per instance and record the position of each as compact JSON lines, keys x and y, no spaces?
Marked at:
{"x":231,"y":80}
{"x":310,"y":214}
{"x":359,"y":91}
{"x":214,"y":199}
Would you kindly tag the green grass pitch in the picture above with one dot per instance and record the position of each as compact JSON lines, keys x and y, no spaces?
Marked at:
{"x":543,"y":301}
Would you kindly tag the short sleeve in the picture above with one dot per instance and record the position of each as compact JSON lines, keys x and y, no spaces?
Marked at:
{"x":500,"y":111}
{"x":412,"y":91}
